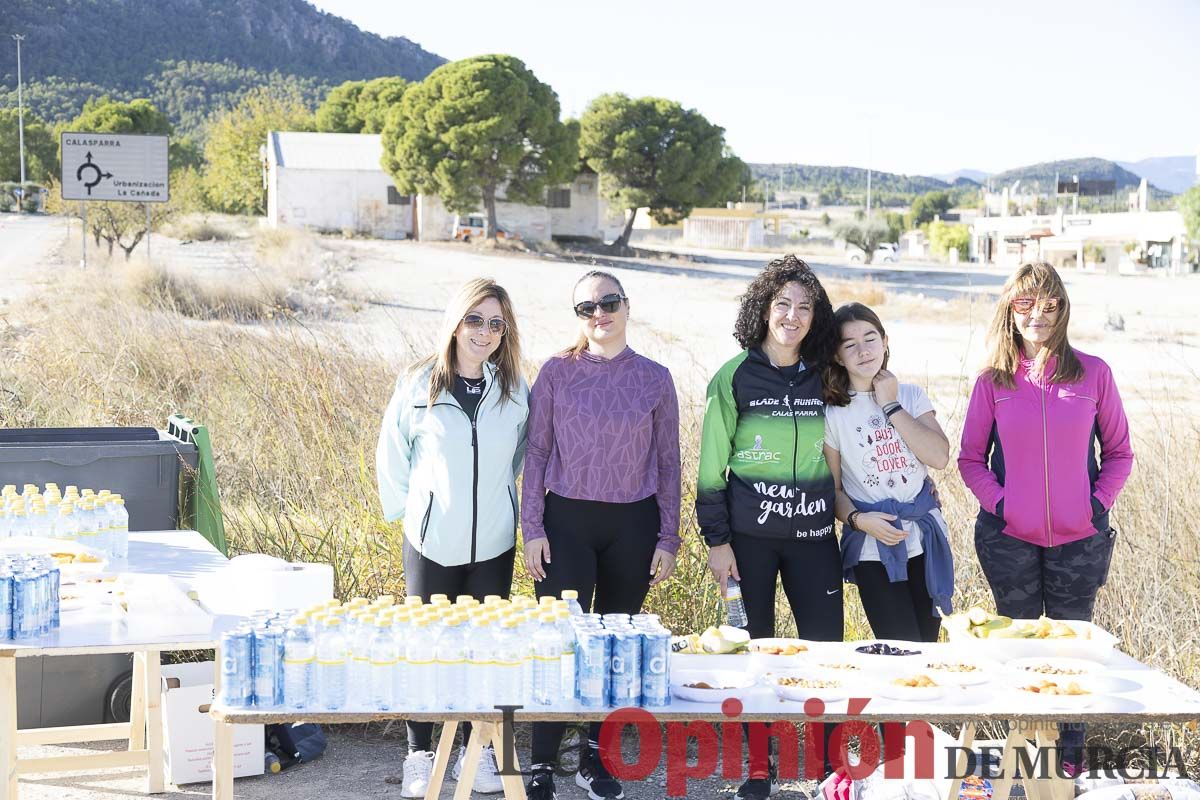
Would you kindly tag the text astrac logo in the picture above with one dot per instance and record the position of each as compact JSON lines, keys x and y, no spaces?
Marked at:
{"x":757,"y":454}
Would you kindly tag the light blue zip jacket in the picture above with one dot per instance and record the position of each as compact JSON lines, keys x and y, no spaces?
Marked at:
{"x":450,"y":481}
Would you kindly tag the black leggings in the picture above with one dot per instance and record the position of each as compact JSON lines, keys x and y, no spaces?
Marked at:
{"x":600,"y":548}
{"x":424,"y":578}
{"x":811,"y":573}
{"x":901,"y":610}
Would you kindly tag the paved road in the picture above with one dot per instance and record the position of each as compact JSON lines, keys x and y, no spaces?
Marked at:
{"x":27,"y":245}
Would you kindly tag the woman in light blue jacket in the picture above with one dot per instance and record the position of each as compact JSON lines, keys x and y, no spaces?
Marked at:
{"x":450,"y":449}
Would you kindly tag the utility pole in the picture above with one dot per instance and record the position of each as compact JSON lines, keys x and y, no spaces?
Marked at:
{"x":20,"y":113}
{"x":868,"y":172}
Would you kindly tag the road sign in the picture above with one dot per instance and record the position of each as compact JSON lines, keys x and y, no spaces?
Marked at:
{"x":126,"y":167}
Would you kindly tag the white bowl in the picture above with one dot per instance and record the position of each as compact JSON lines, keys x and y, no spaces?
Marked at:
{"x":1073,"y":668}
{"x":799,"y":694}
{"x":912,"y":694}
{"x":984,"y":671}
{"x":732,"y":684}
{"x":1056,"y":701}
{"x":884,"y":663}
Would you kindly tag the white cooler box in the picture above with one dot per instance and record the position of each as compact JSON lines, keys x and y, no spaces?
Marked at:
{"x":188,"y":730}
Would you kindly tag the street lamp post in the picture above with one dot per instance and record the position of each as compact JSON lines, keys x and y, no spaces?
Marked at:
{"x":20,"y":110}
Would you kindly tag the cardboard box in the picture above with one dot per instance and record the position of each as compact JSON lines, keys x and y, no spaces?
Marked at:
{"x":188,"y":730}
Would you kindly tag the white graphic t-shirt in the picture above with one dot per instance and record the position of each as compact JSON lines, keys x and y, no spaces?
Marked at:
{"x":876,"y":462}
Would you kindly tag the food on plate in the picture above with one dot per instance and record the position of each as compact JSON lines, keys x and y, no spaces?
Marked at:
{"x":915,"y":682}
{"x":721,"y":640}
{"x":841,"y":666}
{"x":1050,"y":669}
{"x":882,"y":649}
{"x":703,"y":685}
{"x":946,"y":666}
{"x":778,"y":648}
{"x":61,"y":558}
{"x":809,"y":683}
{"x":983,"y":624}
{"x":1072,"y":689}
{"x":1044,"y":628}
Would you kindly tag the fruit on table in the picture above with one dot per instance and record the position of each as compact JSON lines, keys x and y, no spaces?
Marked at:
{"x":724,"y":639}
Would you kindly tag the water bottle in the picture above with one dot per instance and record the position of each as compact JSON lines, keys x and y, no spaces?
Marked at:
{"x":271,"y":763}
{"x":120,"y":527}
{"x":299,"y":665}
{"x":735,"y":609}
{"x":401,"y":627}
{"x":39,"y":523}
{"x":87,"y":523}
{"x":506,"y":667}
{"x":383,"y":664}
{"x":103,"y":538}
{"x":331,"y":666}
{"x":451,"y":664}
{"x":547,"y":662}
{"x":479,"y":676}
{"x":66,"y":526}
{"x":360,"y":670}
{"x":422,"y":670}
{"x":19,"y":525}
{"x":567,"y":646}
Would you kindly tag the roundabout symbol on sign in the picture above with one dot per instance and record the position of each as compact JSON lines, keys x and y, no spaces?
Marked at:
{"x":99,"y":174}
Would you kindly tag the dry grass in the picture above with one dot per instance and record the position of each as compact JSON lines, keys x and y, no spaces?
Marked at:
{"x":295,"y":410}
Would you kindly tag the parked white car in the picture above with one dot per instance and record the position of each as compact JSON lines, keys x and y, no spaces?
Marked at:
{"x":886,"y":253}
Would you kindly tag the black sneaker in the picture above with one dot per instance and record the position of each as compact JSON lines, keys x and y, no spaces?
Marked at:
{"x":592,"y":775}
{"x":760,"y":788}
{"x":541,"y":786}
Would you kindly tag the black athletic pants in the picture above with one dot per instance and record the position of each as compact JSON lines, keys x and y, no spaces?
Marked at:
{"x":596,"y":548}
{"x":424,"y":578}
{"x":811,"y":573}
{"x":1028,"y":580}
{"x":901,"y":610}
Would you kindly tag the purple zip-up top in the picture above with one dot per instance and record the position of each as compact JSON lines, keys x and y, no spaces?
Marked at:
{"x":605,"y":430}
{"x":1034,"y":447}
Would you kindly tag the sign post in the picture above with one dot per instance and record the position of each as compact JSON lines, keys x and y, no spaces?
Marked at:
{"x":120,"y":167}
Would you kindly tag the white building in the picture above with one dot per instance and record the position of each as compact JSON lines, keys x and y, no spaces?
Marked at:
{"x":334,"y":182}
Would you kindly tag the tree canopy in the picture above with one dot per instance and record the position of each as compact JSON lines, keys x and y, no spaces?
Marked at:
{"x":654,"y":153}
{"x":929,"y":206}
{"x":477,"y":127}
{"x":1189,"y":207}
{"x":41,"y":151}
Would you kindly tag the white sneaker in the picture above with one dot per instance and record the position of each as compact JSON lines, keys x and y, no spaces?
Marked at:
{"x":418,"y":767}
{"x":487,"y":777}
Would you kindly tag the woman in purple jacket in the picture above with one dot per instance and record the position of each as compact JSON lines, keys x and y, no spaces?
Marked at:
{"x":600,"y":498}
{"x":1037,"y":416}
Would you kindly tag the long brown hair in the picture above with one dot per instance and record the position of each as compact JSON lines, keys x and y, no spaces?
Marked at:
{"x":1040,"y":280}
{"x":576,"y":350}
{"x":837,"y":378}
{"x":507,"y":357}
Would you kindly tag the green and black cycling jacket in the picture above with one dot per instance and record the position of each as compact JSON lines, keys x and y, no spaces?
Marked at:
{"x":762,"y":458}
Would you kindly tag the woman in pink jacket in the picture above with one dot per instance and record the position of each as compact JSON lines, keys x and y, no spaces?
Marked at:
{"x":1037,"y":417}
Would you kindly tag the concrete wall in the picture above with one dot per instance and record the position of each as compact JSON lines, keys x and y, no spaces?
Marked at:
{"x":330,"y":200}
{"x":583,"y":218}
{"x":435,"y":223}
{"x":725,"y":233}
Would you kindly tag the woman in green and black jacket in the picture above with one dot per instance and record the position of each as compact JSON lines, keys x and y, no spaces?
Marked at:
{"x":765,"y":494}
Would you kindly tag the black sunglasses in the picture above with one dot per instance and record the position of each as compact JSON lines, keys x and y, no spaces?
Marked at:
{"x":608,"y":304}
{"x":476,"y":322}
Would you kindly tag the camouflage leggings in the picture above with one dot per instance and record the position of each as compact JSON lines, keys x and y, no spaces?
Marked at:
{"x":1028,"y":580}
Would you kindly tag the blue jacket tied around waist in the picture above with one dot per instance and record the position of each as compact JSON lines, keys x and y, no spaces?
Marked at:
{"x":939,"y":561}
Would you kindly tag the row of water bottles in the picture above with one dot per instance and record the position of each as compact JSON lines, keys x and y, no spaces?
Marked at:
{"x":29,"y":596}
{"x":466,"y":655}
{"x":94,"y":519}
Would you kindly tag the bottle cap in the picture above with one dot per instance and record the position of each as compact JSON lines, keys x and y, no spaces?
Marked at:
{"x":570,"y":594}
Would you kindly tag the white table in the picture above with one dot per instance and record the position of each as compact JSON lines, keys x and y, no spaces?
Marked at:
{"x":183,"y":555}
{"x":1140,"y":694}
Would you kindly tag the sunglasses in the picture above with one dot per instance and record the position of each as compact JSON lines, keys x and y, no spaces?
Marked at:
{"x":1024,"y":305}
{"x":476,"y":322}
{"x":608,"y":304}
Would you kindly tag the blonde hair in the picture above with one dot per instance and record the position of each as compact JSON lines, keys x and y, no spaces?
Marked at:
{"x":1031,"y":280}
{"x":576,"y":350}
{"x":507,"y":357}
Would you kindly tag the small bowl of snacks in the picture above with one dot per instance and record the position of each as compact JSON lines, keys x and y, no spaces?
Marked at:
{"x":709,"y":685}
{"x":800,"y":685}
{"x":910,"y":687}
{"x":955,"y":670}
{"x":1058,"y":693}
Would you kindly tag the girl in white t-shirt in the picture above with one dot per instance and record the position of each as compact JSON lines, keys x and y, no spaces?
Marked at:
{"x":881,"y":438}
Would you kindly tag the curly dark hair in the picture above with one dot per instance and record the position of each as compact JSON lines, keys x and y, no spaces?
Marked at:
{"x":751,"y":327}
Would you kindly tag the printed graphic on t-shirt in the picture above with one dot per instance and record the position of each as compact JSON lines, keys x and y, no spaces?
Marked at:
{"x":886,"y":459}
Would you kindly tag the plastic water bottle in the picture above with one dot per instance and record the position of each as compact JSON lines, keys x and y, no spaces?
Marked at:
{"x":119,"y":521}
{"x":506,"y":667}
{"x":331,"y":666}
{"x":422,"y":669}
{"x":567,"y":646}
{"x":87,"y":523}
{"x":572,"y":600}
{"x":66,"y":526}
{"x":39,"y":523}
{"x":103,"y":539}
{"x":735,"y":608}
{"x":401,"y":627}
{"x":299,"y":665}
{"x":480,"y":678}
{"x":19,"y":525}
{"x":360,"y":670}
{"x":451,"y":664}
{"x":383,"y":664}
{"x":547,"y":662}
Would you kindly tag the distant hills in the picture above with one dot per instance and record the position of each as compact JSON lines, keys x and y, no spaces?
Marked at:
{"x":190,"y":57}
{"x":811,"y":177}
{"x":1173,"y":173}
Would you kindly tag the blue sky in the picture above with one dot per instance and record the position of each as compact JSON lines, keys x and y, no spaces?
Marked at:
{"x":910,"y":87}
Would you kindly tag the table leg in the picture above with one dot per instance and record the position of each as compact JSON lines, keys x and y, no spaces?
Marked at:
{"x":154,"y":724}
{"x":480,"y":732}
{"x":137,"y":705}
{"x":1053,"y":788}
{"x":222,"y":768}
{"x":514,"y":786}
{"x":1008,"y":762}
{"x":966,"y":740}
{"x":441,"y":760}
{"x":8,"y":727}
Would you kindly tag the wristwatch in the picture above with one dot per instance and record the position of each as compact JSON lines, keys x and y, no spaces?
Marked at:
{"x":851,"y":517}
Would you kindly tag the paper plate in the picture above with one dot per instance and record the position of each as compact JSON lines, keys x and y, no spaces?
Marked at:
{"x":726,"y":683}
